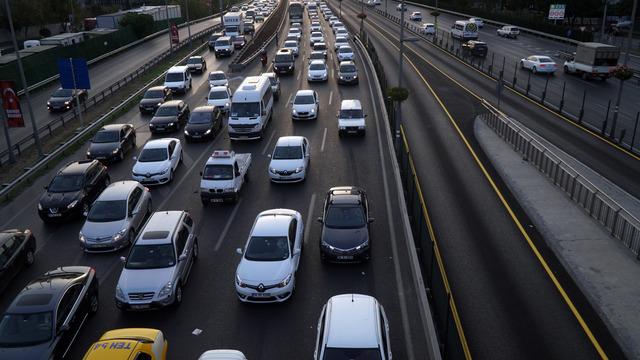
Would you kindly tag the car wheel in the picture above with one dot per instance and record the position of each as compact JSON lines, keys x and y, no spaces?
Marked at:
{"x":195,"y":249}
{"x":94,"y":303}
{"x":171,"y":176}
{"x":565,"y":69}
{"x":323,"y":258}
{"x":521,"y":64}
{"x":534,"y":70}
{"x":30,"y":257}
{"x":178,"y":299}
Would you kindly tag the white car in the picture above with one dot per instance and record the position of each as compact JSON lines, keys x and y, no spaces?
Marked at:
{"x":428,"y":28}
{"x":267,"y":270}
{"x":218,"y":78}
{"x":317,"y":71}
{"x":296,"y":31}
{"x":157,"y":161}
{"x":478,"y":22}
{"x":305,"y":104}
{"x":399,"y":7}
{"x":293,"y":46}
{"x":337,"y":25}
{"x":296,"y":25}
{"x":539,"y":64}
{"x":509,"y":31}
{"x":316,"y":36}
{"x":222,"y":355}
{"x":353,"y":326}
{"x":415,"y":16}
{"x":220,"y":96}
{"x":342,"y":32}
{"x":333,"y":19}
{"x":340,"y":41}
{"x":290,"y":159}
{"x":315,"y":26}
{"x":345,"y":53}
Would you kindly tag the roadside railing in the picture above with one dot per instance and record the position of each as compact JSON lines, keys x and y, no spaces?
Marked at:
{"x":620,"y":224}
{"x":49,"y":128}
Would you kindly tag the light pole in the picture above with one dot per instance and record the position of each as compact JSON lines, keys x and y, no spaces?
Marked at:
{"x":188,"y":23}
{"x":340,"y":7}
{"x":400,"y":63}
{"x":614,"y":121}
{"x":166,"y":11}
{"x":36,"y":138}
{"x":604,"y":20}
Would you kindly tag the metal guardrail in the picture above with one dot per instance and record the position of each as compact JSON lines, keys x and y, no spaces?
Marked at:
{"x":621,"y":224}
{"x":48,"y":128}
{"x":44,"y":162}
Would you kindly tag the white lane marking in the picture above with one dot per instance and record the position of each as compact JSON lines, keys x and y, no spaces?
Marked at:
{"x":289,"y":100}
{"x":392,"y":235}
{"x":307,"y":225}
{"x":330,"y":96}
{"x":298,"y":76}
{"x":227,"y":225}
{"x":331,"y":72}
{"x":236,"y":78}
{"x":266,"y":146}
{"x":324,"y":139}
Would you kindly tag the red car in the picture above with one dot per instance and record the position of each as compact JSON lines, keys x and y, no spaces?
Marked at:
{"x":239,"y":41}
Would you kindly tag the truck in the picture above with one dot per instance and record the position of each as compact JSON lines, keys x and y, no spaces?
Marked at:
{"x":593,"y":60}
{"x":223,"y":176}
{"x":233,"y":23}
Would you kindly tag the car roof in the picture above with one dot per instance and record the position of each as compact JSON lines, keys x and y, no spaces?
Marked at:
{"x":224,"y":38}
{"x":76,"y":167}
{"x":350,"y":104}
{"x":143,"y":334}
{"x":157,"y":88}
{"x":284,"y":51}
{"x":196,"y":57}
{"x":222,"y":354}
{"x":158,"y":143}
{"x":160,"y":221}
{"x":291,"y":140}
{"x":301,"y":93}
{"x":113,"y":127}
{"x":347,"y":62}
{"x":218,"y":88}
{"x":178,"y":68}
{"x":43,"y":293}
{"x":274,"y":222}
{"x":171,"y":103}
{"x":317,"y":61}
{"x":342,"y":39}
{"x":291,"y":42}
{"x":352,"y":321}
{"x":345,"y":195}
{"x":204,"y":108}
{"x":119,"y":190}
{"x":344,"y":47}
{"x":218,"y":72}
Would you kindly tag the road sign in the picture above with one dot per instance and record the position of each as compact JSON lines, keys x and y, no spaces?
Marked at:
{"x":556,"y":11}
{"x":11,"y":104}
{"x":74,"y":68}
{"x":175,"y":36}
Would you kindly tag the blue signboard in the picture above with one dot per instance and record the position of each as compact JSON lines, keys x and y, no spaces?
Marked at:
{"x":79,"y":70}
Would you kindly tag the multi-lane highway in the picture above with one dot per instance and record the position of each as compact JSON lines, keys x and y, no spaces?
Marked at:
{"x":511,"y":301}
{"x":283,"y":331}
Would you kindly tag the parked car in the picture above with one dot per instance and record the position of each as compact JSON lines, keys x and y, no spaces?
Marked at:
{"x":115,"y":217}
{"x":218,"y":78}
{"x":111,"y":142}
{"x":196,"y":63}
{"x":129,"y":344}
{"x":539,"y":64}
{"x":72,"y":190}
{"x":347,"y":73}
{"x":46,"y":316}
{"x":65,"y":99}
{"x":415,"y":16}
{"x":317,"y":71}
{"x":305,"y":104}
{"x":290,"y":159}
{"x":353,"y":326}
{"x":219,"y":96}
{"x":271,"y":257}
{"x":205,"y":122}
{"x":509,"y":31}
{"x":154,"y":97}
{"x":157,"y":161}
{"x":159,"y":263}
{"x":239,"y":41}
{"x":17,"y":250}
{"x":475,"y":48}
{"x":345,"y":53}
{"x":169,"y":117}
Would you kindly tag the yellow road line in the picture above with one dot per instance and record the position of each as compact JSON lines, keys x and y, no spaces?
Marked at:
{"x":504,"y":202}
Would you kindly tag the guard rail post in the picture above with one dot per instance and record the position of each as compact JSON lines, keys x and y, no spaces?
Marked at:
{"x":564,"y":84}
{"x":544,"y":92}
{"x":635,"y":129}
{"x":606,"y":119}
{"x":584,"y":96}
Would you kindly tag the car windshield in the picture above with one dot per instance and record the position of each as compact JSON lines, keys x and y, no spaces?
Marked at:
{"x":66,"y":183}
{"x":267,"y":248}
{"x":62,"y":93}
{"x":106,"y":136}
{"x":223,"y":42}
{"x":200,"y":117}
{"x":217,"y":76}
{"x":218,"y":172}
{"x":167,"y":111}
{"x":351,"y":354}
{"x":345,"y":217}
{"x":283,"y":58}
{"x":107,"y":211}
{"x":152,"y":155}
{"x":344,"y":50}
{"x":341,"y":40}
{"x":315,"y":55}
{"x":290,"y":44}
{"x":218,"y":95}
{"x":17,"y":330}
{"x":248,"y":109}
{"x":287,"y":153}
{"x":194,"y":61}
{"x":174,"y":77}
{"x":154,"y":94}
{"x":317,"y":67}
{"x":151,"y":256}
{"x":348,"y":68}
{"x":304,"y":99}
{"x":320,"y":46}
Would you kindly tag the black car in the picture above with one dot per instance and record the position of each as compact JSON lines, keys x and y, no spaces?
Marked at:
{"x":284,"y":62}
{"x":475,"y":48}
{"x":153,"y":98}
{"x":45,"y":317}
{"x":73,"y":190}
{"x":204,"y":123}
{"x":169,"y":117}
{"x":65,"y":99}
{"x":17,"y":250}
{"x":112,"y":142}
{"x":345,"y":225}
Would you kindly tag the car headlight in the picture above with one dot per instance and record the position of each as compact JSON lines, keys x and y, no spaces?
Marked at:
{"x":88,"y":153}
{"x":355,"y":76}
{"x":299,"y":169}
{"x":186,"y":132}
{"x":49,"y":103}
{"x":363,"y":245}
{"x":159,"y":104}
{"x":120,"y":293}
{"x":341,"y":77}
{"x":294,"y":112}
{"x":239,"y":281}
{"x":361,"y":127}
{"x":115,"y":151}
{"x":82,"y":237}
{"x":207,"y":132}
{"x":285,"y":281}
{"x":313,"y":111}
{"x":67,"y":102}
{"x":170,"y":124}
{"x":272,"y":170}
{"x":290,"y":67}
{"x":39,"y":206}
{"x":342,"y":127}
{"x":326,"y":245}
{"x":151,"y":125}
{"x":119,"y":235}
{"x":226,"y":105}
{"x":72,"y":204}
{"x":165,"y":170}
{"x":166,"y":290}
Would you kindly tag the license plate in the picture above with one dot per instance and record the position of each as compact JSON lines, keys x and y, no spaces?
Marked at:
{"x":140,"y":307}
{"x":216,"y":200}
{"x":101,"y":157}
{"x":345,"y":257}
{"x":55,"y":215}
{"x":196,"y":136}
{"x":261,"y":295}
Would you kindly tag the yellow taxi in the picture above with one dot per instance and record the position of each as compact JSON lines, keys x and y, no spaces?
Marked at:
{"x":129,"y":344}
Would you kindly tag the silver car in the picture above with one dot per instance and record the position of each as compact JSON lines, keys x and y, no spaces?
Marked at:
{"x":159,"y":262}
{"x":115,"y":217}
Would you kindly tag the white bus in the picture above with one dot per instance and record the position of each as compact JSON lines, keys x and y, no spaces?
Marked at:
{"x":251,"y":108}
{"x":464,"y":30}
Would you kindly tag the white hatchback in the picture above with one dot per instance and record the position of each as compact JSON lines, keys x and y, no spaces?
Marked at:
{"x":316,"y":36}
{"x":340,"y":40}
{"x":317,"y":71}
{"x":157,"y":161}
{"x":218,"y":78}
{"x":305,"y":104}
{"x":292,"y":45}
{"x":219,"y":96}
{"x":345,"y":53}
{"x":290,"y":159}
{"x":270,"y":259}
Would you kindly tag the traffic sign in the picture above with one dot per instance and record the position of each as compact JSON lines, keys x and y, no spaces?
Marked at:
{"x":74,"y":73}
{"x":556,"y":11}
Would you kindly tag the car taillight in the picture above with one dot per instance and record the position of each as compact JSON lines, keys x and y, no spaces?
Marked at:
{"x":542,"y":65}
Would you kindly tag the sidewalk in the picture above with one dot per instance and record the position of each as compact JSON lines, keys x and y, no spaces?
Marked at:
{"x":602,"y":267}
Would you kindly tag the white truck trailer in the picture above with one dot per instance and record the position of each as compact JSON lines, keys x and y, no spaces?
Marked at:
{"x":593,"y":60}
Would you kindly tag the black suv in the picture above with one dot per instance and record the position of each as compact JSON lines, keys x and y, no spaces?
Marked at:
{"x":345,"y":225}
{"x":475,"y":48}
{"x":47,"y":315}
{"x":111,"y":142}
{"x":169,"y":117}
{"x":204,"y":123}
{"x":73,"y":190}
{"x":284,"y":62}
{"x":17,"y":250}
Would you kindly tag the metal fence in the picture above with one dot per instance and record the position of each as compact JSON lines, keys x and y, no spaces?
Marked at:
{"x":620,"y":224}
{"x":49,"y":128}
{"x":453,"y":344}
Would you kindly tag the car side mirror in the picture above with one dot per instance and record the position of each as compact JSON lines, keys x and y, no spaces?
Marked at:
{"x":182,"y":257}
{"x":268,"y":155}
{"x":46,"y":187}
{"x":239,"y":251}
{"x":370,"y":220}
{"x":123,"y":259}
{"x":135,"y":158}
{"x":200,"y":173}
{"x":365,"y":115}
{"x":63,"y":328}
{"x":319,"y":218}
{"x":237,"y":173}
{"x":85,"y":213}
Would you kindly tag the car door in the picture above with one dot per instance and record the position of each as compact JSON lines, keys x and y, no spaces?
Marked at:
{"x":181,"y":238}
{"x":188,"y":222}
{"x":9,"y":259}
{"x":384,"y":327}
{"x":68,"y":319}
{"x":317,"y":98}
{"x":173,"y":159}
{"x":136,"y":208}
{"x":93,"y":188}
{"x":294,"y":244}
{"x":123,"y":139}
{"x":306,"y":152}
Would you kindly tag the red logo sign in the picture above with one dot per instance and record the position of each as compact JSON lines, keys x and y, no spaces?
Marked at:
{"x":175,"y":37}
{"x":11,"y":103}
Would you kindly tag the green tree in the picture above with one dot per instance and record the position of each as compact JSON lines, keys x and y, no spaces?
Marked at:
{"x":141,"y":24}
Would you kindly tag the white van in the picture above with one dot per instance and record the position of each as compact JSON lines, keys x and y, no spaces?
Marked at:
{"x":351,"y":118}
{"x":178,"y":79}
{"x":31,"y":43}
{"x":464,"y":30}
{"x":251,"y":108}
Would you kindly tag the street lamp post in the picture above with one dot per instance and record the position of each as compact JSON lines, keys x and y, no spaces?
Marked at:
{"x":188,"y":23}
{"x":604,"y":20}
{"x":166,"y":11}
{"x":340,"y":7}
